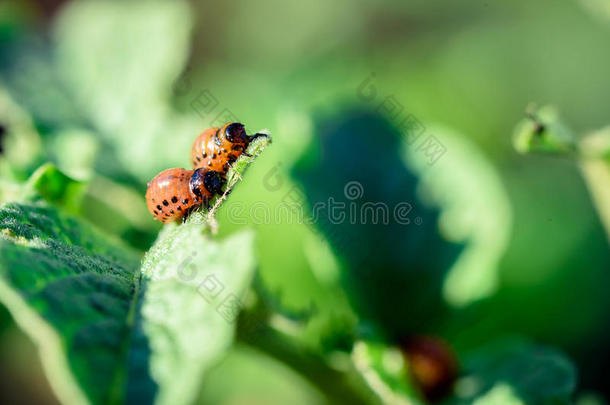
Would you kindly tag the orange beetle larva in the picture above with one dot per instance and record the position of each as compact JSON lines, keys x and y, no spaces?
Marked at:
{"x":216,"y":148}
{"x":173,"y":193}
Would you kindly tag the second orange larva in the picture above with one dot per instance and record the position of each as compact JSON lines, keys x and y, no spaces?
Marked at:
{"x":174,"y":193}
{"x":216,"y":148}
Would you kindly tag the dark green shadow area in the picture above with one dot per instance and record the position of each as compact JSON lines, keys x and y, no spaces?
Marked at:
{"x":391,"y":267}
{"x":512,"y":370}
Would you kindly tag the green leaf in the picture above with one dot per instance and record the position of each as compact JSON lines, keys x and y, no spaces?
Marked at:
{"x":543,"y":132}
{"x":71,"y":290}
{"x":56,"y":188}
{"x":116,"y":89}
{"x":475,"y":211}
{"x":516,"y":372}
{"x":124,"y":92}
{"x":193,"y":290}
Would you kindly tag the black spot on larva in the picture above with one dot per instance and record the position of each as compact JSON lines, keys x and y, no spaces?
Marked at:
{"x":223,"y":150}
{"x":155,"y":212}
{"x":205,"y":155}
{"x":185,"y":201}
{"x":165,"y":203}
{"x":199,"y":159}
{"x":209,"y":163}
{"x":179,"y":208}
{"x":160,"y":208}
{"x":174,"y":199}
{"x":171,"y":211}
{"x":213,"y":156}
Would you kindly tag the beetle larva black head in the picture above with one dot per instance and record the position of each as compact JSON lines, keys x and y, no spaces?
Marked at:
{"x":236,"y":133}
{"x":204,"y":180}
{"x":213,"y":182}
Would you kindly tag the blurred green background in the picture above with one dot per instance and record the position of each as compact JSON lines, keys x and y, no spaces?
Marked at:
{"x":114,"y":92}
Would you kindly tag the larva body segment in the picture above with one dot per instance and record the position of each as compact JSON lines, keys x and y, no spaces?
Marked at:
{"x":218,"y":147}
{"x":173,"y":193}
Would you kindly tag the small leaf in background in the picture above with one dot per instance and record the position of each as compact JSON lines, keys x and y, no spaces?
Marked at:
{"x":542,"y":132}
{"x":501,"y":393}
{"x":517,"y":372}
{"x":56,"y":188}
{"x":75,"y":151}
{"x":385,"y":371}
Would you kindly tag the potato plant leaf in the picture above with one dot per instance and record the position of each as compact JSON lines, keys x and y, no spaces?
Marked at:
{"x":71,"y":290}
{"x":193,"y":286}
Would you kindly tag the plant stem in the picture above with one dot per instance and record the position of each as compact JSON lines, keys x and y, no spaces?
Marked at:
{"x":340,"y":387}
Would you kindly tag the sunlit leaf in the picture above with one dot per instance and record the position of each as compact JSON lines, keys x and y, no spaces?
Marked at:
{"x":475,"y":209}
{"x":385,"y":371}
